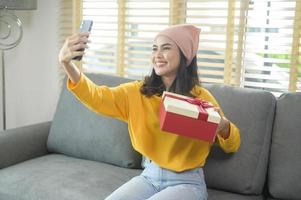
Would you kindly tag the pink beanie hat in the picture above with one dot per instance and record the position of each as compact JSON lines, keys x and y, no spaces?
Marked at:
{"x":186,"y":37}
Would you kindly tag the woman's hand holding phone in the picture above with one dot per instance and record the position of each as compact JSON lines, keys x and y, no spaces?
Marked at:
{"x":85,"y":26}
{"x":73,"y":48}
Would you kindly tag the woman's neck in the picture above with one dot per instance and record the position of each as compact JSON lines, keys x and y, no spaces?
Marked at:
{"x":167,"y":81}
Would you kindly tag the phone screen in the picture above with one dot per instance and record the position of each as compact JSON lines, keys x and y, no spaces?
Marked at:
{"x":85,"y":26}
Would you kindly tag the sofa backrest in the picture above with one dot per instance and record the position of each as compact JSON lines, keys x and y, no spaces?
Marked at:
{"x":253,"y":112}
{"x":284,"y":177}
{"x":78,"y":132}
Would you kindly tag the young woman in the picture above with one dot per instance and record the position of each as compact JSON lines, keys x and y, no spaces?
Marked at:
{"x":173,"y":167}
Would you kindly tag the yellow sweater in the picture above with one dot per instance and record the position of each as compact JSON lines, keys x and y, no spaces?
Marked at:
{"x":125,"y":102}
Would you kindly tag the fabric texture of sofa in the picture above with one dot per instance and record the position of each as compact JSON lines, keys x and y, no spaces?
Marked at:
{"x":80,"y":155}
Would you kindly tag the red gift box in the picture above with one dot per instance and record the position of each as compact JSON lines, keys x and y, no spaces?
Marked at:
{"x":187,"y":116}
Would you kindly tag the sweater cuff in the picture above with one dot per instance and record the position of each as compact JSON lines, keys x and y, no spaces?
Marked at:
{"x":71,"y":86}
{"x":229,"y":143}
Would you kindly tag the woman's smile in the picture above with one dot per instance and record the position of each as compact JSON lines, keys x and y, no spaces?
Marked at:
{"x":161,"y":63}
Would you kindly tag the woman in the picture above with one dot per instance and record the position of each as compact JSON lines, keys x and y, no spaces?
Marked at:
{"x":173,"y":167}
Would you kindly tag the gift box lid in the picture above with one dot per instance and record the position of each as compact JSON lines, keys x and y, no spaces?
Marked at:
{"x":177,"y":103}
{"x":180,"y":107}
{"x":213,"y":116}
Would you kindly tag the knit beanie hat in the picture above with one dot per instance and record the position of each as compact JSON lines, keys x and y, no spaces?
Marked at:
{"x":186,"y":37}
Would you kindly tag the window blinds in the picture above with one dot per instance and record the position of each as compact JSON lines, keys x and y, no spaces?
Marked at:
{"x":269,"y":42}
{"x":102,"y":54}
{"x":249,"y":43}
{"x":69,"y":19}
{"x":143,"y":20}
{"x":219,"y":21}
{"x":295,"y":70}
{"x":65,"y":20}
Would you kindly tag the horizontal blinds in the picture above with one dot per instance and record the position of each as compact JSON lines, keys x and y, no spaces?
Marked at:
{"x":244,"y":43}
{"x":299,"y":75}
{"x":268,"y":45}
{"x":143,"y":20}
{"x":102,"y":52}
{"x":299,"y":68}
{"x":66,"y":22}
{"x":296,"y":52}
{"x":213,"y":19}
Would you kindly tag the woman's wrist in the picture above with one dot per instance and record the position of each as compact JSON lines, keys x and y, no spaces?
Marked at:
{"x":72,"y":71}
{"x":65,"y":64}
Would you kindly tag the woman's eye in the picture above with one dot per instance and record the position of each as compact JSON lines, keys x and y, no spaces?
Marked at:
{"x":154,"y":49}
{"x":166,"y":48}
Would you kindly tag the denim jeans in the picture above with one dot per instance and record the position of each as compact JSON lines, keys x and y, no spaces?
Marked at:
{"x":156,"y":183}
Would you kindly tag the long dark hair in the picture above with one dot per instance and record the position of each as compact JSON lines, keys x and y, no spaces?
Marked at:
{"x":186,"y":79}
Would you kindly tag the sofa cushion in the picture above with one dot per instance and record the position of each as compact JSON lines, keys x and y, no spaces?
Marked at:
{"x":244,"y":171}
{"x":77,"y":131}
{"x":222,"y":195}
{"x":61,"y":177}
{"x":285,"y":160}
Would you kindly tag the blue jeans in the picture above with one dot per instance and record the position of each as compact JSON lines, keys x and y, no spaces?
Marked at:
{"x":156,"y":183}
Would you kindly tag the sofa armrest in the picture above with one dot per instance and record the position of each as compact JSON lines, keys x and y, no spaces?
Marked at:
{"x":24,"y":143}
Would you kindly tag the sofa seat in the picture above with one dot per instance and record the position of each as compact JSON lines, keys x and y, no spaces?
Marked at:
{"x":220,"y":195}
{"x":57,"y":176}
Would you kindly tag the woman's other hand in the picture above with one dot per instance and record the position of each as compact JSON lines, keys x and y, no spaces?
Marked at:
{"x":223,"y":128}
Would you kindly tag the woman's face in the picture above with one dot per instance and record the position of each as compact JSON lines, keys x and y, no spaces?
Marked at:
{"x":165,"y":57}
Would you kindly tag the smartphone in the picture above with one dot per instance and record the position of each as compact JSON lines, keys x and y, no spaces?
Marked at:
{"x":85,"y":26}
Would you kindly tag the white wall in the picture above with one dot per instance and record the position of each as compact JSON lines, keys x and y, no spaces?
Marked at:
{"x":32,"y":87}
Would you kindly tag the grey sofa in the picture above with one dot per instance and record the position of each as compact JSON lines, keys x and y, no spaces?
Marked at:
{"x":84,"y":156}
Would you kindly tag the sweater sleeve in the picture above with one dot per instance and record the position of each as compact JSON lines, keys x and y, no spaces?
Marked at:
{"x":232,"y":143}
{"x":112,"y":102}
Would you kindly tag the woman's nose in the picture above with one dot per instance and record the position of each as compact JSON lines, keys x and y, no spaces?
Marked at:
{"x":158,"y":54}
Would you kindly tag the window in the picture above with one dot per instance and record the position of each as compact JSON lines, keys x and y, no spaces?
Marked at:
{"x":251,"y":43}
{"x":143,"y":19}
{"x":102,"y":53}
{"x":268,"y":45}
{"x":218,"y":20}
